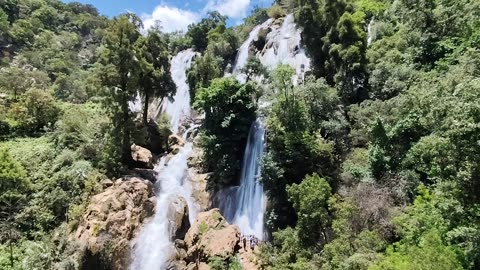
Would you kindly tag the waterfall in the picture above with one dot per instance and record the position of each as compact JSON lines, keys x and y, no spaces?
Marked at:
{"x":179,"y":108}
{"x":284,"y":46}
{"x":135,"y":106}
{"x":370,"y":32}
{"x":153,"y":246}
{"x":245,"y":205}
{"x":244,"y":50}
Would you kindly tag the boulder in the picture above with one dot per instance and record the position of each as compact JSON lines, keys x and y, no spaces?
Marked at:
{"x":148,"y":174}
{"x":106,"y":183}
{"x":175,"y":141}
{"x":110,"y":222}
{"x":142,"y":157}
{"x":211,"y":236}
{"x":201,"y":194}
{"x":157,"y":140}
{"x":175,"y":149}
{"x":177,"y":215}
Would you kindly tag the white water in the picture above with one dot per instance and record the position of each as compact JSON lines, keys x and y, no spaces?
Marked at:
{"x":370,"y":33}
{"x":244,"y":50}
{"x":245,"y":205}
{"x":179,"y":108}
{"x":284,"y":46}
{"x":153,"y":246}
{"x":135,"y":106}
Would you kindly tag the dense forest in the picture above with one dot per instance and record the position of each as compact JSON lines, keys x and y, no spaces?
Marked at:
{"x":372,"y":162}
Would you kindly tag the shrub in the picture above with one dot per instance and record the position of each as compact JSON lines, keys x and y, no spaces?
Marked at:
{"x":276,"y":12}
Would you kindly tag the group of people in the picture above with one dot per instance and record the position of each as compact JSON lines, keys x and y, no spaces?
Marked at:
{"x":251,"y":239}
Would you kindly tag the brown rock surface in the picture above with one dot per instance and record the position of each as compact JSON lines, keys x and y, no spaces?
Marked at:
{"x":142,"y":156}
{"x":211,"y":236}
{"x":177,"y":214}
{"x":111,"y":220}
{"x":175,"y":140}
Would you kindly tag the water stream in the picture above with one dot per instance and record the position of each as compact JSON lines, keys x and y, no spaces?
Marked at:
{"x":179,"y":109}
{"x":245,"y":205}
{"x":153,"y":246}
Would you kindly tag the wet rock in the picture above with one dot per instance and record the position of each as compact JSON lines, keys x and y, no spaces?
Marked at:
{"x":175,"y":140}
{"x":201,"y":195}
{"x":148,"y":174}
{"x":177,"y":214}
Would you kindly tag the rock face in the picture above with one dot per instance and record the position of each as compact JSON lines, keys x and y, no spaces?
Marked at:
{"x":111,"y":220}
{"x":142,"y":156}
{"x":175,"y":142}
{"x":210,"y":236}
{"x":178,"y":217}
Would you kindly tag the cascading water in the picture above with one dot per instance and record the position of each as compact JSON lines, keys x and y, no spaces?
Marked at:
{"x":179,"y":109}
{"x":244,"y":50}
{"x":284,"y":46}
{"x":153,"y":246}
{"x":245,"y":205}
{"x":135,"y":106}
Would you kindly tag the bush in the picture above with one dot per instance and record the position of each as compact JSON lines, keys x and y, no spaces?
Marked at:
{"x":276,"y":12}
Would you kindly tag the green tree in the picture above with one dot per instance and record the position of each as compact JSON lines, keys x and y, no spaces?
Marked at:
{"x":310,"y":200}
{"x":155,"y":78}
{"x":38,"y":110}
{"x":229,"y":112}
{"x":198,"y":33}
{"x":119,"y":73}
{"x":22,"y":32}
{"x":14,"y":185}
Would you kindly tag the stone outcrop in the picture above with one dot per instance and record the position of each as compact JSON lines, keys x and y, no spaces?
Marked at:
{"x":210,"y":236}
{"x":142,"y":157}
{"x":111,"y":221}
{"x":175,"y":143}
{"x":177,"y":214}
{"x":148,"y":174}
{"x":157,"y":140}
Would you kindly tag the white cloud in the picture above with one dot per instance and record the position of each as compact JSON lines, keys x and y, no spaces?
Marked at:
{"x":171,"y":18}
{"x":231,"y":8}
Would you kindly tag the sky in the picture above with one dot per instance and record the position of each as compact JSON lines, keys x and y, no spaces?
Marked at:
{"x":176,"y":15}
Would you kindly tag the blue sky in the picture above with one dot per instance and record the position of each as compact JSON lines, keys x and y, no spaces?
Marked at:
{"x":176,"y":15}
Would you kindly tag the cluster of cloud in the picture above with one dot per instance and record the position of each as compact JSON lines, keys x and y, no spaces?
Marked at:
{"x":175,"y":19}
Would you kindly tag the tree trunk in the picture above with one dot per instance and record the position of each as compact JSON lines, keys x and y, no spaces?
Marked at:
{"x":11,"y":254}
{"x":145,"y":110}
{"x":126,"y":142}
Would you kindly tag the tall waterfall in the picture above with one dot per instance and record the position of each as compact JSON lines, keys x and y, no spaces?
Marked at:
{"x":153,"y":246}
{"x":245,"y":205}
{"x":179,"y":109}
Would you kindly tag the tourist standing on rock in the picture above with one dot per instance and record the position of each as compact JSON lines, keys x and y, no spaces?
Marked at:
{"x":244,"y":243}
